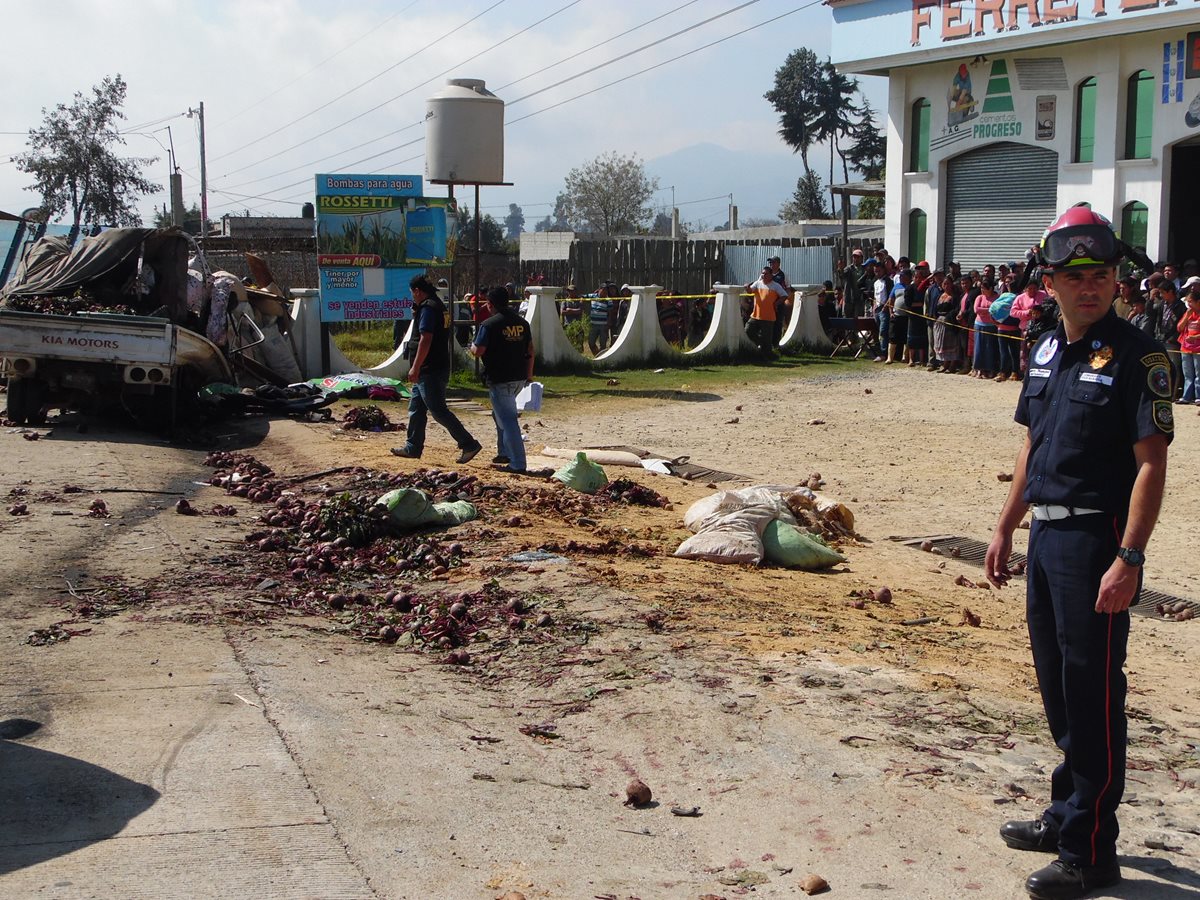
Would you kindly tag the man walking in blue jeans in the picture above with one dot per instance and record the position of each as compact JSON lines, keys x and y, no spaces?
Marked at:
{"x":429,"y":373}
{"x":505,"y":344}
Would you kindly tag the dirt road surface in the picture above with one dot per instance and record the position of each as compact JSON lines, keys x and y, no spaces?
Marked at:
{"x":174,"y":730}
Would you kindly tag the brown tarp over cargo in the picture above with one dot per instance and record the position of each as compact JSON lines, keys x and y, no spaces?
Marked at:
{"x":52,"y":267}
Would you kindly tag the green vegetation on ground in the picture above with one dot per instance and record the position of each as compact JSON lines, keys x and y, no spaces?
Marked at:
{"x":366,"y":347}
{"x":697,"y":382}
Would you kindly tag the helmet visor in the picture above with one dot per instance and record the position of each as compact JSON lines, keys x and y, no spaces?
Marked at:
{"x":1081,"y":245}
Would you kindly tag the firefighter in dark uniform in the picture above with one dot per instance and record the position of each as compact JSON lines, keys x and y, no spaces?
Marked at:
{"x":1097,"y":405}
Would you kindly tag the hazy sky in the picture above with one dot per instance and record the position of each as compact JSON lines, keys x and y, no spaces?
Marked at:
{"x":292,"y":88}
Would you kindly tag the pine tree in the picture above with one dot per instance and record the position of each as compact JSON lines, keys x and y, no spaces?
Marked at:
{"x":808,"y":202}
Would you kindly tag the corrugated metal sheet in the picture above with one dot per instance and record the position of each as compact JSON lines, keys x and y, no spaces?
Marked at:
{"x":999,"y":200}
{"x":803,"y":265}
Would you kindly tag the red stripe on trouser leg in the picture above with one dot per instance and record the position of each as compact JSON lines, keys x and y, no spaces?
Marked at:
{"x":1107,"y":734}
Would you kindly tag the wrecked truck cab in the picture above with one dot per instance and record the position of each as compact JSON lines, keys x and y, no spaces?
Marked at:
{"x":107,"y":323}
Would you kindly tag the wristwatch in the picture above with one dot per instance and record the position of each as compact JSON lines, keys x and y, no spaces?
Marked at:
{"x":1132,"y":557}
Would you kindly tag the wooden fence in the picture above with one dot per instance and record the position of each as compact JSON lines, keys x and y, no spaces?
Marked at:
{"x":685,"y":267}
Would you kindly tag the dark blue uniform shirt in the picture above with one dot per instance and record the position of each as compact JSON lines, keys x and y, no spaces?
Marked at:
{"x":1086,"y":404}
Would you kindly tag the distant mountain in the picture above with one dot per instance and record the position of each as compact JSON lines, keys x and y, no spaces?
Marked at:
{"x":760,"y":182}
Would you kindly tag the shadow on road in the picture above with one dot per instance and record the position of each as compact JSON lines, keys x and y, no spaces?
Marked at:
{"x":52,"y":805}
{"x":1182,"y":883}
{"x":666,"y":394}
{"x":232,"y":433}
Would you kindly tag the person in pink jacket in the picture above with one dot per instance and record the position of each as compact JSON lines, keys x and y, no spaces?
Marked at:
{"x":987,"y":345}
{"x":1029,"y":298}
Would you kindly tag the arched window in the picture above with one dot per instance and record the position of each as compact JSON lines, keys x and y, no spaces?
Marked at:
{"x":917,"y":221}
{"x":918,"y":138}
{"x":1085,"y":121}
{"x":1135,"y":223}
{"x":1139,"y":115}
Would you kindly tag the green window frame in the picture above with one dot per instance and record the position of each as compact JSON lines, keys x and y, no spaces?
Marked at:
{"x":1085,"y":121}
{"x":1139,"y":115}
{"x":1135,"y":224}
{"x":917,"y":230}
{"x":918,"y":155}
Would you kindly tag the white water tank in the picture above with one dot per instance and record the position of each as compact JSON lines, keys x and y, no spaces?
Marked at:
{"x":464,"y":134}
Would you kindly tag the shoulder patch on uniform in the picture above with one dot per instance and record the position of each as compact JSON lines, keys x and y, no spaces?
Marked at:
{"x":1159,"y":380}
{"x":1164,"y":417}
{"x":1155,"y":359}
{"x":1046,"y":352}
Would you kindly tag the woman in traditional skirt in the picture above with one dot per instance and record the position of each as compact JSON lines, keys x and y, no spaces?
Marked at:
{"x":947,"y":346}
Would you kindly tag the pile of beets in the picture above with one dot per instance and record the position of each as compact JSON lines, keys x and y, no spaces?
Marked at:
{"x":348,"y":560}
{"x":336,"y":553}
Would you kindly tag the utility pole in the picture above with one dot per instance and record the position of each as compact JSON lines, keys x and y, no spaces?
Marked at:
{"x":203,"y":174}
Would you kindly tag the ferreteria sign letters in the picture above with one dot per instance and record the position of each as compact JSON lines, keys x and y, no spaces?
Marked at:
{"x":953,"y":20}
{"x":878,"y":34}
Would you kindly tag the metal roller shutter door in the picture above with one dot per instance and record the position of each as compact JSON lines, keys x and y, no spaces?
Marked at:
{"x":1000,"y":200}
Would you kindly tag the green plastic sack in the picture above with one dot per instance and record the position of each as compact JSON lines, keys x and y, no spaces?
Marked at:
{"x":408,"y":507}
{"x":582,"y":474}
{"x":455,"y":512}
{"x":787,"y":545}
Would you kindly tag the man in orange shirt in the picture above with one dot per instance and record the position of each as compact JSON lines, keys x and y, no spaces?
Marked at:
{"x":761,"y":327}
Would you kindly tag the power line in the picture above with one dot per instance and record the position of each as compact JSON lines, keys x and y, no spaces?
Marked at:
{"x":559,"y":83}
{"x":312,"y":163}
{"x":329,"y":58}
{"x":345,"y":94}
{"x":397,"y":97}
{"x":595,"y":46}
{"x":413,"y":125}
{"x":144,"y":125}
{"x":663,"y":63}
{"x":626,"y":55}
{"x":348,"y":165}
{"x":587,"y":93}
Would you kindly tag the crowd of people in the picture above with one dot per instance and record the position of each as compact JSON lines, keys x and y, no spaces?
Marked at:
{"x":982,"y":322}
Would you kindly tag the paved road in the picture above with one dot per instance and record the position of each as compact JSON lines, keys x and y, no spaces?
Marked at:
{"x":170,"y":757}
{"x":152,"y":769}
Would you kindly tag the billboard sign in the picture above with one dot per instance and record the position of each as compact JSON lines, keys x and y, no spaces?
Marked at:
{"x":374,"y":233}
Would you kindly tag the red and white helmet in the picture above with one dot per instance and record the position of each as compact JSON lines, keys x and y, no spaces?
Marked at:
{"x":1080,"y":237}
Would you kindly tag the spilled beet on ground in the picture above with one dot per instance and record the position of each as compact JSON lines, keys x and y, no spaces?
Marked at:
{"x":319,"y":551}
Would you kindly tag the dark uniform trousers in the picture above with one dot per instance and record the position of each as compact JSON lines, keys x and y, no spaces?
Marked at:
{"x":1079,"y":656}
{"x":1087,"y":404}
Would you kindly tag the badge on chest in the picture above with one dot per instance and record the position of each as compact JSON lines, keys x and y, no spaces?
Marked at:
{"x":1101,"y":357}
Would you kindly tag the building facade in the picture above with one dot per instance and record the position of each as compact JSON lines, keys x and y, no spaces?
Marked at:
{"x":1002,"y":113}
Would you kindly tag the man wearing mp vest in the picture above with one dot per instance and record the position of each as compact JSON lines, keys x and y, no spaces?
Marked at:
{"x":505,"y":345}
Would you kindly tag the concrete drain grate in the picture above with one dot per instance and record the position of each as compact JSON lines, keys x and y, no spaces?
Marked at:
{"x":968,"y":550}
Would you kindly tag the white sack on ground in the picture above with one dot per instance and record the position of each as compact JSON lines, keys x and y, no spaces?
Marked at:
{"x":600,"y":457}
{"x":723,"y":501}
{"x":730,"y":537}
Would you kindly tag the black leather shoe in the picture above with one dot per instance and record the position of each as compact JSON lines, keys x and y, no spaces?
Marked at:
{"x":1063,"y":881}
{"x":1039,"y":835}
{"x":468,"y":454}
{"x":405,"y":453}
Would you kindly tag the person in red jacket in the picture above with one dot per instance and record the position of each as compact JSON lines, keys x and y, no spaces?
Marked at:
{"x":1189,"y":341}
